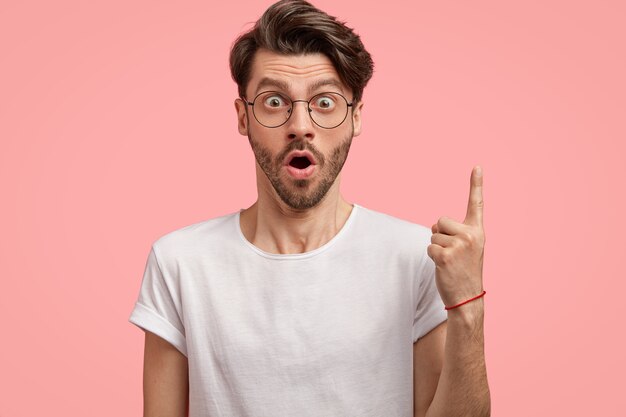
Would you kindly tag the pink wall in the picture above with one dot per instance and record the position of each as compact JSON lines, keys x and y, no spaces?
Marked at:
{"x":117,"y":126}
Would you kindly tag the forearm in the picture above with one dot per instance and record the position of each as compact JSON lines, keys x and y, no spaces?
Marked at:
{"x":462,"y":389}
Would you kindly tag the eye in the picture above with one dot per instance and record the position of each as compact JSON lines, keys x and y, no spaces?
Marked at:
{"x":274,"y":101}
{"x":324,"y":102}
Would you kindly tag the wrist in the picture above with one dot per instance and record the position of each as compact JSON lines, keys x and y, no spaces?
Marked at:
{"x":469,"y":313}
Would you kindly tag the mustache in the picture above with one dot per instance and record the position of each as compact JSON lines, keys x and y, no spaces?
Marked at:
{"x":301,"y":145}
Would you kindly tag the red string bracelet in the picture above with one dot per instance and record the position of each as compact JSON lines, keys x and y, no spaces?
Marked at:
{"x":467,"y":301}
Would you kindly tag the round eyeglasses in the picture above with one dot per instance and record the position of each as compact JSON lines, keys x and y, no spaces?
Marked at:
{"x":273,"y":109}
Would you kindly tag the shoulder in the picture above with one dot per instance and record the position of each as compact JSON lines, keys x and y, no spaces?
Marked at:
{"x":396,"y":229}
{"x":395,"y":239}
{"x":196,"y":237}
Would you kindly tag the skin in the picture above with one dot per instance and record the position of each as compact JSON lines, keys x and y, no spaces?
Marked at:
{"x":165,"y":379}
{"x":457,"y":248}
{"x":295,"y":216}
{"x":290,"y":215}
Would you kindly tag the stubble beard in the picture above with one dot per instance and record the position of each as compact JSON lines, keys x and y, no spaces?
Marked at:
{"x":297,"y":195}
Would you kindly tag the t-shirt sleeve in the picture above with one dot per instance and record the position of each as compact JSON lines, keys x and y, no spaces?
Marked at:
{"x":430,"y":311}
{"x":158,"y":308}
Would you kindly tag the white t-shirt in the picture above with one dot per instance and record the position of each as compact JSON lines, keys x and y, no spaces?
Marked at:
{"x":325,"y":333}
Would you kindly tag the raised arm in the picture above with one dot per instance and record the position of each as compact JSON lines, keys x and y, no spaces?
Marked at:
{"x":457,"y":250}
{"x":165,"y":379}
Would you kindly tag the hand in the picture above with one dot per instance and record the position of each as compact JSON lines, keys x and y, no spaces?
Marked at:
{"x":457,"y":249}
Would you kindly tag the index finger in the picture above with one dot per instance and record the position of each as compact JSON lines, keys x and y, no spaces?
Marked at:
{"x":475,"y":204}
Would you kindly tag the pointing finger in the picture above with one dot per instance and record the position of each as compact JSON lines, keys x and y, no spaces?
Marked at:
{"x":475,"y":204}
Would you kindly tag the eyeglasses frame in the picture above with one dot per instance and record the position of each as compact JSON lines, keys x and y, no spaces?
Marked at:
{"x":308,"y":105}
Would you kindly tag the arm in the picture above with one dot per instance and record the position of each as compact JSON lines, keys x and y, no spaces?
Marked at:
{"x":449,"y":367}
{"x":428,"y":357}
{"x":165,"y":379}
{"x":458,"y":250}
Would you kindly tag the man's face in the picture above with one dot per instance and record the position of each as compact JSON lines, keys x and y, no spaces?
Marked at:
{"x":296,"y":76}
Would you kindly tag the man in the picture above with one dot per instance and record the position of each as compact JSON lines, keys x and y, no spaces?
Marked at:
{"x":304,"y":304}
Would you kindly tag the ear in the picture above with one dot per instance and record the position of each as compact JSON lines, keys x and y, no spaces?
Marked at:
{"x":242,"y":117}
{"x":356,"y":118}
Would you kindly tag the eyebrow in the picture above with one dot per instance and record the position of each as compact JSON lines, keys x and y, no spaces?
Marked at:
{"x":282,"y":85}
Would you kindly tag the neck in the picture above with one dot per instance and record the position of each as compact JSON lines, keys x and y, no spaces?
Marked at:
{"x":274,"y":227}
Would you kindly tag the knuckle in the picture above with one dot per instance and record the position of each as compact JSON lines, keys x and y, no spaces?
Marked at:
{"x":461,"y":243}
{"x":478,"y":237}
{"x":468,"y":238}
{"x":430,"y":252}
{"x":445,"y":258}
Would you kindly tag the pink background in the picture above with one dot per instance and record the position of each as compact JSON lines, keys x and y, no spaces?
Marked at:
{"x":117,"y":125}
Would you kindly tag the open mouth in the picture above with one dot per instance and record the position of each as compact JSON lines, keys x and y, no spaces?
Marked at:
{"x":300,"y":162}
{"x":301,"y":165}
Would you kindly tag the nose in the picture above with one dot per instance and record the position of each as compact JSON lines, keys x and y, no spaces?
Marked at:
{"x":300,"y":125}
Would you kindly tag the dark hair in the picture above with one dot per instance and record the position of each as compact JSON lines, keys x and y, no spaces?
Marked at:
{"x":294,"y":27}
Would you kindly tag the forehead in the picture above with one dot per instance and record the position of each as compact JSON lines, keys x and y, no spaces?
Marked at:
{"x":298,"y":74}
